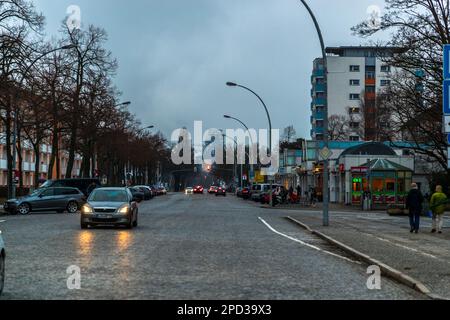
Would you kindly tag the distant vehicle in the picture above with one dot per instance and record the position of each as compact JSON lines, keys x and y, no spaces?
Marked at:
{"x":162,"y":191}
{"x":47,"y":199}
{"x":198,"y":190}
{"x":148,"y":194}
{"x":2,"y":264}
{"x":221,"y":192}
{"x":239,"y":192}
{"x":110,"y":206}
{"x":246,"y":193}
{"x":212,"y":190}
{"x":137,"y":193}
{"x":154,"y":191}
{"x":84,"y":185}
{"x":189,"y":190}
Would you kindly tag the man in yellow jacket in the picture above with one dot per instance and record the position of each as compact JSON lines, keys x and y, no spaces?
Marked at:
{"x":438,"y":205}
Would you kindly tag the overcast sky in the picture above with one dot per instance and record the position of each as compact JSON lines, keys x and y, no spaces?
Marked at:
{"x":175,"y":56}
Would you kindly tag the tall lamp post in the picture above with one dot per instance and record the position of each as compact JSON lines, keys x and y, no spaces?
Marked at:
{"x":232,"y":84}
{"x":326,"y":198}
{"x":251,"y":141}
{"x":15,"y":133}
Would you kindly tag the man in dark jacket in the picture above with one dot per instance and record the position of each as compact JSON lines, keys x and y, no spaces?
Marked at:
{"x":414,"y":203}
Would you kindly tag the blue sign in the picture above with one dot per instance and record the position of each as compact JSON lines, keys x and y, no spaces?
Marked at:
{"x":446,"y":61}
{"x":446,"y":97}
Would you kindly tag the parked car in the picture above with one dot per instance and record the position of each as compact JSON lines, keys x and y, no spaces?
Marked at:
{"x":148,"y":195}
{"x":110,"y":206}
{"x":189,"y":190}
{"x":161,"y":191}
{"x":2,"y":264}
{"x":212,"y":190}
{"x":154,"y":191}
{"x":221,"y":192}
{"x":198,"y":190}
{"x":137,"y":193}
{"x":246,"y":193}
{"x":47,"y":199}
{"x":239,"y":192}
{"x":84,"y":185}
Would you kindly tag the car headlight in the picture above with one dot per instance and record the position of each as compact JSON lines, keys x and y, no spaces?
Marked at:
{"x":86,"y":209}
{"x":124,"y":210}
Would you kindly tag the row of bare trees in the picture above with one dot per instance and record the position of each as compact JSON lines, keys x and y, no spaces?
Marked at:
{"x":62,"y":93}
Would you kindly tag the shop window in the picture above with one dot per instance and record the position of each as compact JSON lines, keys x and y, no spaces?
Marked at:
{"x":390,"y":185}
{"x":377,"y":185}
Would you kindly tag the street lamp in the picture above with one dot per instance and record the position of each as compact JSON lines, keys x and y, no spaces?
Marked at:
{"x":326,"y":199}
{"x":27,"y":70}
{"x":233,"y":84}
{"x":251,"y":139}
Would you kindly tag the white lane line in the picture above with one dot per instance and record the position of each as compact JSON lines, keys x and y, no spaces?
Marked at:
{"x":1,"y":221}
{"x":304,"y":243}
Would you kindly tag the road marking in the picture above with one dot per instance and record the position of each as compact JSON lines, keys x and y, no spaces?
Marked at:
{"x":403,"y":246}
{"x":305,"y":244}
{"x":1,"y":221}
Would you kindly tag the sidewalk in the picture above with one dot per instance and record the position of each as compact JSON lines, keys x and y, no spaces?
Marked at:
{"x":423,"y":256}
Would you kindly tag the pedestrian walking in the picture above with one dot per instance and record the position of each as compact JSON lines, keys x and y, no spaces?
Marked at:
{"x":438,"y":205}
{"x":414,"y":203}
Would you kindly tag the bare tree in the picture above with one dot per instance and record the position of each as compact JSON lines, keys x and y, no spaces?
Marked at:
{"x":419,"y":28}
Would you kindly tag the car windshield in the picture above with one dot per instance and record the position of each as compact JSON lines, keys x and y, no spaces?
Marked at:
{"x":109,"y":196}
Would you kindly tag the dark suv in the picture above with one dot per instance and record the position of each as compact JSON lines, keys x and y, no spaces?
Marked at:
{"x":84,"y":185}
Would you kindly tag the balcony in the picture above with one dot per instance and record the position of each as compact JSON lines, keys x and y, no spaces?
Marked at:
{"x":319,"y":101}
{"x":319,"y":87}
{"x":318,"y":73}
{"x":370,"y":81}
{"x":319,"y":115}
{"x":319,"y":130}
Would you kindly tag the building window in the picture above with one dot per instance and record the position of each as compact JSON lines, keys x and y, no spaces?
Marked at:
{"x":319,"y":123}
{"x":355,"y":68}
{"x":355,"y":82}
{"x":385,"y":68}
{"x":355,"y":96}
{"x":385,"y":83}
{"x":370,"y":89}
{"x":370,"y":75}
{"x":354,"y":138}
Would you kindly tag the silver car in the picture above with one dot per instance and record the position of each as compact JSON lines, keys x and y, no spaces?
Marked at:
{"x":47,"y":199}
{"x":2,"y":264}
{"x":110,"y":206}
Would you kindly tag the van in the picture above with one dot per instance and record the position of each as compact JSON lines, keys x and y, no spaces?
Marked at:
{"x":80,"y":184}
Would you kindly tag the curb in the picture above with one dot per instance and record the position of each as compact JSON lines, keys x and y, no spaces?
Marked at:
{"x":385,"y":269}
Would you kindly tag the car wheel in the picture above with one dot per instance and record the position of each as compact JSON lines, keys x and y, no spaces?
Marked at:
{"x":84,"y":226}
{"x":24,"y":209}
{"x":2,"y":273}
{"x":72,"y":207}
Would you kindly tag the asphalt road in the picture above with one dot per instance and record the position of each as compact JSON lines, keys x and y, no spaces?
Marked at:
{"x":186,"y":247}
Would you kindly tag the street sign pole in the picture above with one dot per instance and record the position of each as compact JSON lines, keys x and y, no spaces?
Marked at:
{"x":446,"y":99}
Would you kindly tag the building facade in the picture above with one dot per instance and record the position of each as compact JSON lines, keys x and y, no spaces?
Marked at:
{"x":29,"y":161}
{"x":355,"y":76}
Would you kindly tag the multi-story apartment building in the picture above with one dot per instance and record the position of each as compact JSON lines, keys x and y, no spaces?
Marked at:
{"x":355,"y":76}
{"x":28,"y":164}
